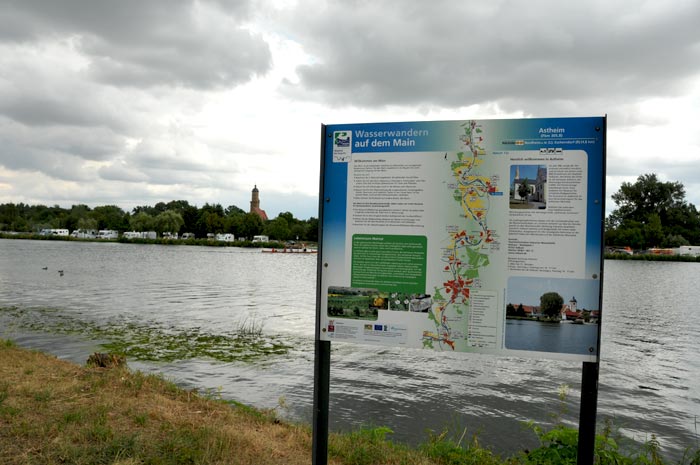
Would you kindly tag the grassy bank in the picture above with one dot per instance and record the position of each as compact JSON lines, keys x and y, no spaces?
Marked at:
{"x":54,"y":412}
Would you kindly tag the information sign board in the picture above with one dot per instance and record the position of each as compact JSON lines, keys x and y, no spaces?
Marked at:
{"x":470,"y":236}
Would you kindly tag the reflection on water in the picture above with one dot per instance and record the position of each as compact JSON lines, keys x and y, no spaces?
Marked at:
{"x":649,"y":368}
{"x":557,"y":337}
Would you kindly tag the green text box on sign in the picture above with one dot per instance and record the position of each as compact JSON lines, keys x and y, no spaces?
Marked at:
{"x":394,"y":263}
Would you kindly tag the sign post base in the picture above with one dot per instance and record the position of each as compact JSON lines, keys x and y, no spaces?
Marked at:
{"x":587,"y":415}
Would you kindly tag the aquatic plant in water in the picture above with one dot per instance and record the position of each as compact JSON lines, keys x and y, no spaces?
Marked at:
{"x":152,"y":341}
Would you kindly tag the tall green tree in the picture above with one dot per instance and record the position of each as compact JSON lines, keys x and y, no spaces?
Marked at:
{"x":147,"y":209}
{"x":524,"y":190}
{"x":233,"y":220}
{"x":298,"y":231}
{"x":168,"y":221}
{"x":190,"y":215}
{"x":233,"y":224}
{"x":210,"y":221}
{"x":77,"y":212}
{"x":278,"y":229}
{"x":652,"y":213}
{"x":87,"y":224}
{"x":110,"y":217}
{"x":232,"y":210}
{"x":252,"y":225}
{"x":12,"y":218}
{"x":654,"y":232}
{"x":177,"y":205}
{"x":551,"y":303}
{"x":141,"y":221}
{"x":636,"y":201}
{"x":311,"y":230}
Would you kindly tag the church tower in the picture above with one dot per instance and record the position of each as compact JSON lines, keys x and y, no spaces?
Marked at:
{"x":255,"y":199}
{"x":255,"y":204}
{"x":572,"y":304}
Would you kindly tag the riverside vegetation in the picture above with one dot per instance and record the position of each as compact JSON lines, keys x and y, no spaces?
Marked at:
{"x":52,"y":411}
{"x":176,"y":216}
{"x":152,"y":342}
{"x":649,"y":213}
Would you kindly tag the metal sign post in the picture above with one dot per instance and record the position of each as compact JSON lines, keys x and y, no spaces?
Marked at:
{"x":322,"y":357}
{"x":590,"y":371}
{"x":587,"y":415}
{"x":322,"y":371}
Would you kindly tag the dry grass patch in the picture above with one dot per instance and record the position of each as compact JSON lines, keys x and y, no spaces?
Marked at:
{"x":53,"y":411}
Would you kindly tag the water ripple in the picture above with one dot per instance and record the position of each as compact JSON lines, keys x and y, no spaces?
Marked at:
{"x":648,"y":377}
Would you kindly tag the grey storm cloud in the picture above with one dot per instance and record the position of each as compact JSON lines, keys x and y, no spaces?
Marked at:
{"x":37,"y":109}
{"x":117,"y":66}
{"x":103,"y":100}
{"x":149,"y":156}
{"x":54,"y":164}
{"x":24,"y":148}
{"x":119,"y":170}
{"x":461,"y":53}
{"x":155,"y":165}
{"x":134,"y":43}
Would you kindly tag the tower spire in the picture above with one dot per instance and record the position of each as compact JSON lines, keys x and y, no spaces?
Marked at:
{"x":255,"y":204}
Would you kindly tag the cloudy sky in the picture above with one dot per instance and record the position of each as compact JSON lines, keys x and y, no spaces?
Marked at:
{"x":133,"y":102}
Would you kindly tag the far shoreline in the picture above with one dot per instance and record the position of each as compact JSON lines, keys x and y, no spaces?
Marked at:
{"x":159,"y":241}
{"x":652,"y":257}
{"x":281,"y":245}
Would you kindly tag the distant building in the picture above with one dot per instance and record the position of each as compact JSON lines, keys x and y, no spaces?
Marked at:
{"x":692,"y":250}
{"x":569,"y":311}
{"x":541,"y":185}
{"x":532,"y":311}
{"x":537,"y":188}
{"x":255,"y":204}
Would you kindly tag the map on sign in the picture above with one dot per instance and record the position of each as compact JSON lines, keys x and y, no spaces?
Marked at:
{"x":467,"y":243}
{"x":467,"y":236}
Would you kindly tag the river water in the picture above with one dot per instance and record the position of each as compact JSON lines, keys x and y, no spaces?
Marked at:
{"x":649,"y":375}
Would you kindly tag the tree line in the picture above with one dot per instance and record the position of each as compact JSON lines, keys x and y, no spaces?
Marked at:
{"x":177,"y":216}
{"x":551,"y":304}
{"x":651,"y":213}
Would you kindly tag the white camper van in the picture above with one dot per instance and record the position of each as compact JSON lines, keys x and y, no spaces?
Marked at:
{"x":107,"y":234}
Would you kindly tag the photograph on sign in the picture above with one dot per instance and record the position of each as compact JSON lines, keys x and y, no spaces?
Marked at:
{"x":539,"y":317}
{"x":468,"y":236}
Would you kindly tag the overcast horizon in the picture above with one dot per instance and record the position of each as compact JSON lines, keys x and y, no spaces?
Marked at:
{"x":133,"y":103}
